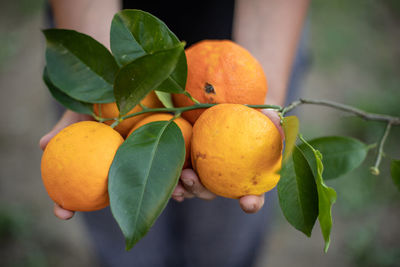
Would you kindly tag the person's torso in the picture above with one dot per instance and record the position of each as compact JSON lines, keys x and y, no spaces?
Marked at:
{"x":191,"y":21}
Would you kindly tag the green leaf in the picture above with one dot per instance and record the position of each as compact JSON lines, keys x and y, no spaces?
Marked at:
{"x":165,"y":99}
{"x":65,"y":100}
{"x":143,"y":175}
{"x":135,"y":33}
{"x":136,"y":79}
{"x":176,"y":82}
{"x":80,"y":66}
{"x":341,"y":154}
{"x":326,"y":196}
{"x":298,"y":196}
{"x":395,"y":172}
{"x":291,"y":129}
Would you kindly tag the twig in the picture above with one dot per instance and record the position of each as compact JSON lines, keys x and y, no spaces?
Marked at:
{"x":180,"y":110}
{"x":358,"y":112}
{"x":375,"y":168}
{"x":281,"y":110}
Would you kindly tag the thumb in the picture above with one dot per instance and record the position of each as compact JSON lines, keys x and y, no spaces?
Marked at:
{"x":276,"y":120}
{"x":68,"y":118}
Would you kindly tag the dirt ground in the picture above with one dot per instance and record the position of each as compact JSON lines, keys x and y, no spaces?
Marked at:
{"x":365,"y":233}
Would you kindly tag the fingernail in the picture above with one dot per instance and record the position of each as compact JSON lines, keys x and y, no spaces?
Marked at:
{"x":188,"y":182}
{"x":179,"y":199}
{"x":178,"y":194}
{"x":252,"y":208}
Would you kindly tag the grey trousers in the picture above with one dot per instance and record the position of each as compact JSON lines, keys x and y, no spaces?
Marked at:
{"x":192,"y":233}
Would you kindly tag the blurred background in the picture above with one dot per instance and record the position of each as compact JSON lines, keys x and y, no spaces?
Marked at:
{"x":354,"y":59}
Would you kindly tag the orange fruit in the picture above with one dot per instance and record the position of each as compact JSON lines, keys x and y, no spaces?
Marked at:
{"x":75,"y":165}
{"x":185,"y":126}
{"x":110,"y":110}
{"x":220,"y":71}
{"x":236,"y":151}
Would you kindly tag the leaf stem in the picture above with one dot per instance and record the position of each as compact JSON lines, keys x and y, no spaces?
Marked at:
{"x":371,"y":146}
{"x":186,"y":93}
{"x":143,"y":106}
{"x":177,"y":115}
{"x":375,"y":169}
{"x":98,"y":118}
{"x":116,"y":122}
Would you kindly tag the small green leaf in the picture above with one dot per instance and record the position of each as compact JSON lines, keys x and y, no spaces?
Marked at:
{"x":80,"y":66}
{"x":326,"y":196}
{"x":298,"y":196}
{"x":165,"y":99}
{"x":395,"y":172}
{"x":291,"y":129}
{"x":143,"y":175}
{"x":136,"y":79}
{"x":65,"y":100}
{"x":135,"y":33}
{"x":341,"y":154}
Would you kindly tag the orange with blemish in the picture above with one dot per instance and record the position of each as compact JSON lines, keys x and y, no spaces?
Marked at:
{"x":221,"y":71}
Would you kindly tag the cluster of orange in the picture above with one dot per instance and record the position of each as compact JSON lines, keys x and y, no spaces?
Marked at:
{"x":234,"y":149}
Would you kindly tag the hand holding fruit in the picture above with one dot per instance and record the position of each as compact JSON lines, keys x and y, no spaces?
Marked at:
{"x":236,"y":152}
{"x":88,"y":164}
{"x":188,"y":187}
{"x":68,"y":118}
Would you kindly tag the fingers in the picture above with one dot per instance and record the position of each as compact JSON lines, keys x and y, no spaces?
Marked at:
{"x":180,"y":193}
{"x":192,"y":184}
{"x":274,"y":117}
{"x":251,"y":204}
{"x":62,"y":213}
{"x":68,"y":118}
{"x":189,"y":186}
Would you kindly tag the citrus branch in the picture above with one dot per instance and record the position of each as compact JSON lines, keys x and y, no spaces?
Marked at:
{"x":282,"y":110}
{"x":358,"y":112}
{"x":179,"y":110}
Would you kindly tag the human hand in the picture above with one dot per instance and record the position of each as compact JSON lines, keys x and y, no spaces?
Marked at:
{"x":189,"y":185}
{"x":68,"y":118}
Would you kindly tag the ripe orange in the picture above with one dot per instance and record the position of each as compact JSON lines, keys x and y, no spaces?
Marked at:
{"x":110,"y":110}
{"x":186,"y":129}
{"x":236,"y":151}
{"x":75,"y":165}
{"x":220,"y":71}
